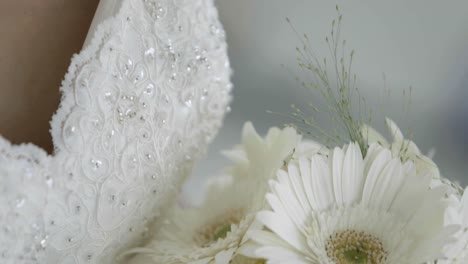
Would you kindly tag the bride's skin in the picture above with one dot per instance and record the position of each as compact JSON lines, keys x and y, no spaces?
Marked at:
{"x":37,"y":40}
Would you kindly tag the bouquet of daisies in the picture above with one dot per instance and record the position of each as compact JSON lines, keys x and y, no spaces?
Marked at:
{"x":360,"y":199}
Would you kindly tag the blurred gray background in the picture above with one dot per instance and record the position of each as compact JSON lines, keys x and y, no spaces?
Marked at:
{"x":418,"y":43}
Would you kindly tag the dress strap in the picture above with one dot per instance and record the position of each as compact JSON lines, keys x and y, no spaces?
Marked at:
{"x":105,"y":10}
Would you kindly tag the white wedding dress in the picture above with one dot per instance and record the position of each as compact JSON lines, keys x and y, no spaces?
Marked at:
{"x":140,"y":103}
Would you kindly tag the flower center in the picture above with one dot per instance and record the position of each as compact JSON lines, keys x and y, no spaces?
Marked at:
{"x":219,"y":228}
{"x":222,"y":232}
{"x":354,"y":247}
{"x":239,"y":259}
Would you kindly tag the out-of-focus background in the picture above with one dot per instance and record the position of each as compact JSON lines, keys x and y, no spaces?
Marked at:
{"x":418,"y":43}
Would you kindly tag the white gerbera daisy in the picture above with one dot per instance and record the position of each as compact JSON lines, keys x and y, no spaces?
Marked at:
{"x":401,"y":147}
{"x":457,"y":214}
{"x":259,"y":157}
{"x":214,"y":232}
{"x":343,"y":209}
{"x":209,"y":234}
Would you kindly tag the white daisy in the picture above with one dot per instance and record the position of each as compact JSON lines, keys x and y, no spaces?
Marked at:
{"x":401,"y":147}
{"x":457,"y":214}
{"x":343,"y":209}
{"x":259,"y":157}
{"x":214,"y":232}
{"x":209,"y":234}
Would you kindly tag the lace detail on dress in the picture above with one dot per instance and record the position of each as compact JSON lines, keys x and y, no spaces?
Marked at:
{"x":139,"y":105}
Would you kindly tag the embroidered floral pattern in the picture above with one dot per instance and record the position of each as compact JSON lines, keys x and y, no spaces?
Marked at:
{"x":139,"y":105}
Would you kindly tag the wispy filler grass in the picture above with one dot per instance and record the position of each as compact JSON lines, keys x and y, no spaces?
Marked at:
{"x":338,"y":90}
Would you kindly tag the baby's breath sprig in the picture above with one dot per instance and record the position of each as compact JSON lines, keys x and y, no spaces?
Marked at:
{"x":339,"y":90}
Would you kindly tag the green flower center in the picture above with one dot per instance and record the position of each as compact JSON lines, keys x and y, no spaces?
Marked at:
{"x":222,"y":232}
{"x":218,"y":228}
{"x":239,"y":259}
{"x":355,"y":257}
{"x":353,"y":247}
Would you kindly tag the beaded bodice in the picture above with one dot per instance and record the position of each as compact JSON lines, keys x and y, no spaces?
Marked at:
{"x":139,"y":105}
